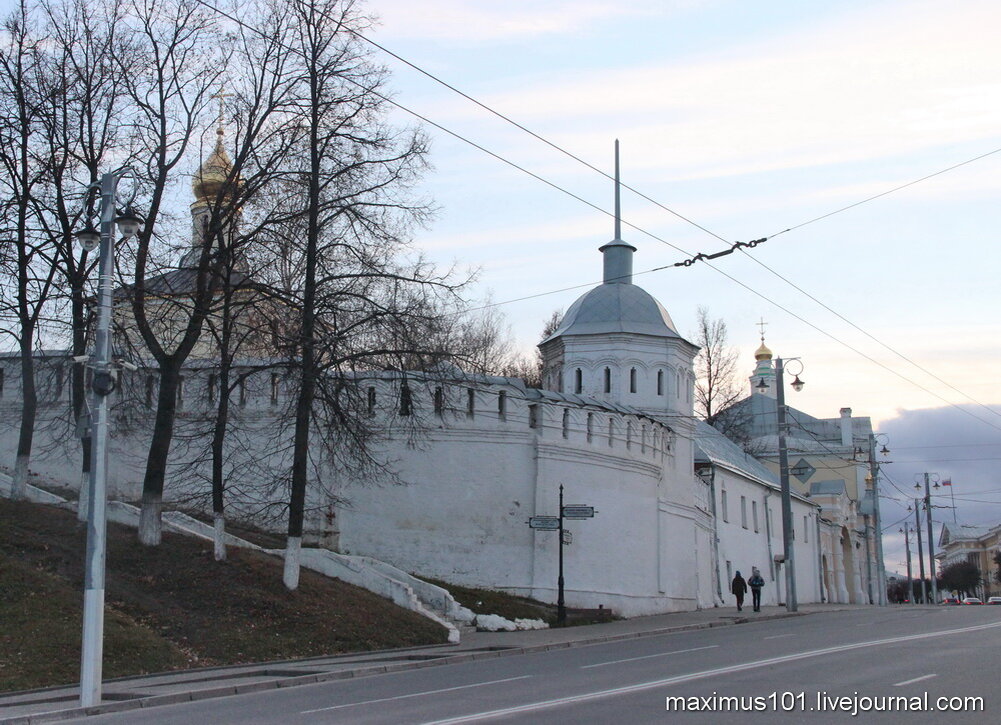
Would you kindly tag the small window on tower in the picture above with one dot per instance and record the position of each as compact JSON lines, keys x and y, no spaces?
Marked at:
{"x":632,"y":380}
{"x":608,"y":380}
{"x":406,"y":400}
{"x":660,"y":382}
{"x":578,"y":381}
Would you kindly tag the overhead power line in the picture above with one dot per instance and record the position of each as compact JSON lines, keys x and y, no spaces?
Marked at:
{"x":693,"y":258}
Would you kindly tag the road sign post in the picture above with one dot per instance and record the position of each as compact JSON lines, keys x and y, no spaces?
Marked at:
{"x":555,"y":523}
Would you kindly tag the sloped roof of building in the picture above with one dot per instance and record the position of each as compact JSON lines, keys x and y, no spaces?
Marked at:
{"x":616,"y":308}
{"x":711,"y":446}
{"x":714,"y":447}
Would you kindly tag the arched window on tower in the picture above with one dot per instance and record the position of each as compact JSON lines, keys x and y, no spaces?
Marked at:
{"x":578,"y":381}
{"x":608,"y":380}
{"x":632,"y":380}
{"x":660,"y":382}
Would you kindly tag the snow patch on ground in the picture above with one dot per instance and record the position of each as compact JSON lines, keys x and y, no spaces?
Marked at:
{"x":496,"y":623}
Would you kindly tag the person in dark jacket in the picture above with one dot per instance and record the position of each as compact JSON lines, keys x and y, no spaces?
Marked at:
{"x":756,"y":582}
{"x":739,"y":588}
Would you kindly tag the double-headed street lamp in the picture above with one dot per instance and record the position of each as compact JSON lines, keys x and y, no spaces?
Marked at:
{"x":873,"y":479}
{"x":928,"y":477}
{"x":102,"y":385}
{"x":788,"y":559}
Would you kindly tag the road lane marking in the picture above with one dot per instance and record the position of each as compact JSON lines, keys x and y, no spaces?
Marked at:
{"x":777,"y":636}
{"x":646,"y":657}
{"x":916,"y":679}
{"x":415,"y":694}
{"x":642,"y":686}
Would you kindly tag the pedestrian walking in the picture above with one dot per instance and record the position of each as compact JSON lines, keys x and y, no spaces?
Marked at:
{"x":739,"y":587}
{"x":756,"y":582}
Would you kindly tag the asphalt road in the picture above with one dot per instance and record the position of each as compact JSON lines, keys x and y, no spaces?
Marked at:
{"x":789,"y":670}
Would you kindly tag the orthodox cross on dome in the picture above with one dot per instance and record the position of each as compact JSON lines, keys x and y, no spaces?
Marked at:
{"x":762,"y":326}
{"x":222,"y":95}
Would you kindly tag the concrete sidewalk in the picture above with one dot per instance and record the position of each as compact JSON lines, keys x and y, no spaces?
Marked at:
{"x":61,"y":703}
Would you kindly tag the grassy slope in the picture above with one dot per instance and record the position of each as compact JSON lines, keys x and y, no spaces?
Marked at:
{"x":171,"y":606}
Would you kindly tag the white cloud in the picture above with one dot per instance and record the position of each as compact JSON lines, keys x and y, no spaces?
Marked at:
{"x":464,"y":21}
{"x":885,"y":81}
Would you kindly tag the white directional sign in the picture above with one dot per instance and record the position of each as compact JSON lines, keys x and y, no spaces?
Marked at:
{"x":578,"y":511}
{"x":546,"y":523}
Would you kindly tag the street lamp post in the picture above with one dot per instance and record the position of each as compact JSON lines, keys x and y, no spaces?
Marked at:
{"x":921,"y":555}
{"x":931,"y":541}
{"x":102,"y":385}
{"x":907,"y":548}
{"x":788,"y":553}
{"x":875,"y":438}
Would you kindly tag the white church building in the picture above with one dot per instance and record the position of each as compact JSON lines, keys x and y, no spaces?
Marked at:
{"x":678,"y":509}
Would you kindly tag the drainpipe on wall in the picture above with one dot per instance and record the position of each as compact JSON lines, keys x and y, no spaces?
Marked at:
{"x":820,"y":558}
{"x":712,"y":499}
{"x":768,"y":538}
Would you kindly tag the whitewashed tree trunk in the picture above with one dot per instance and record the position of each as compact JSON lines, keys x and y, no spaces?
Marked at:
{"x":83,"y":504}
{"x":293,"y":549}
{"x":19,"y":483}
{"x":149,"y":521}
{"x":219,"y":536}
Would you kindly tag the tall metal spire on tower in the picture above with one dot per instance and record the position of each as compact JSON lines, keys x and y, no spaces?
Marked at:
{"x":618,"y":209}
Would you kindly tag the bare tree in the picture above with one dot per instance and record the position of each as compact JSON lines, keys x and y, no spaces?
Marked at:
{"x":716,"y":387}
{"x":361,"y":298}
{"x":28,"y":252}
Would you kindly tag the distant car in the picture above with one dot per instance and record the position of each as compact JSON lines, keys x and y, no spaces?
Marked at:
{"x":950,"y":600}
{"x":971,"y":600}
{"x":994,"y":600}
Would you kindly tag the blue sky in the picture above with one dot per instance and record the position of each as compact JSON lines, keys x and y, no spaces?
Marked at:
{"x":748,"y":118}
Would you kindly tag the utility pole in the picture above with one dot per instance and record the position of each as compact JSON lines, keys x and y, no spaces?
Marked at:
{"x":787,"y":543}
{"x":931,"y":541}
{"x":880,"y":565}
{"x":907,"y":548}
{"x":921,"y":554}
{"x":868,"y":556}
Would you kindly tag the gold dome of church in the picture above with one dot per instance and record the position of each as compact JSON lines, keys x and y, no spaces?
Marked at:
{"x":763,"y":353}
{"x":213,"y":173}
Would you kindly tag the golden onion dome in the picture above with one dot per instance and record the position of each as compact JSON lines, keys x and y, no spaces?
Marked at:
{"x":763,"y":353}
{"x":213,"y":173}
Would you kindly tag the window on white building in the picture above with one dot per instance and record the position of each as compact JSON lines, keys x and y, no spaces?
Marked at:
{"x":578,"y":381}
{"x":370,"y":402}
{"x":806,"y":530}
{"x":754,"y":515}
{"x":470,"y":402}
{"x":743,"y":511}
{"x":722,"y":506}
{"x":210,"y":387}
{"x":566,"y":423}
{"x":611,"y":432}
{"x":275,"y":386}
{"x":660,"y":382}
{"x":533,"y":416}
{"x":502,"y":405}
{"x":439,"y":401}
{"x":608,"y":380}
{"x":632,"y":380}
